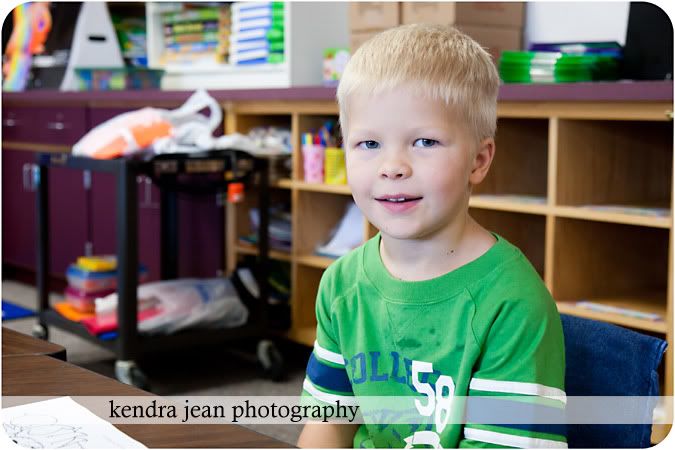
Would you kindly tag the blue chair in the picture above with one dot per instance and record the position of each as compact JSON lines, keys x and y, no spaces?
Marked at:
{"x":606,"y":360}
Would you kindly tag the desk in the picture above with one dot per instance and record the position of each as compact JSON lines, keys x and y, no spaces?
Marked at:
{"x":18,"y":344}
{"x":40,"y":375}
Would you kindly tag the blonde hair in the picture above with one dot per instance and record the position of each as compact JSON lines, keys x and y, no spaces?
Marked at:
{"x":442,"y":62}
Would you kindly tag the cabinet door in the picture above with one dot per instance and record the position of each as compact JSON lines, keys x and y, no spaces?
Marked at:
{"x":201,"y":251}
{"x":149,"y":239}
{"x":18,"y":209}
{"x":68,"y":221}
{"x":104,"y":225}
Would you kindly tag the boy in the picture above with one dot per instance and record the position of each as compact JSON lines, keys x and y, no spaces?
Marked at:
{"x":434,"y":306}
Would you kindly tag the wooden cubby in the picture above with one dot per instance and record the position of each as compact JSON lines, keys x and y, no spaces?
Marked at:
{"x":318,"y":214}
{"x":604,"y":164}
{"x":522,"y":147}
{"x":553,"y":159}
{"x":526,"y":231}
{"x":612,"y":264}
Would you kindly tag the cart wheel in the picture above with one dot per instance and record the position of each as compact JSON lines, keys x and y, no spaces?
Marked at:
{"x":129,"y":373}
{"x":271,"y":360}
{"x":40,"y":331}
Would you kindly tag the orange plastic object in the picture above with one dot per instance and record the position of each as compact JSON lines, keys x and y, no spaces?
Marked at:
{"x":69,"y":312}
{"x":143,"y":135}
{"x":235,"y":192}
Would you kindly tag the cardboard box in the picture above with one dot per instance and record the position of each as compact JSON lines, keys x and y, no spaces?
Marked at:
{"x":495,"y":40}
{"x":366,"y":16}
{"x":503,"y":14}
{"x":358,"y":38}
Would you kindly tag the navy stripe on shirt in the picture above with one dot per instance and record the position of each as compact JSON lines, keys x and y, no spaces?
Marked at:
{"x":327,"y":377}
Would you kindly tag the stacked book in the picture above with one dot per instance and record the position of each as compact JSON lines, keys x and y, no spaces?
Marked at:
{"x":257,"y":34}
{"x":562,"y":63}
{"x":197,"y":35}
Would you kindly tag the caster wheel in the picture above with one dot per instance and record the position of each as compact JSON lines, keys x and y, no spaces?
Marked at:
{"x":40,"y":331}
{"x":271,"y":360}
{"x":128,"y":372}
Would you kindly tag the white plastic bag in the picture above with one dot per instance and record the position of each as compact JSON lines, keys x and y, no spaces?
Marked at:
{"x":188,"y":303}
{"x":165,"y":131}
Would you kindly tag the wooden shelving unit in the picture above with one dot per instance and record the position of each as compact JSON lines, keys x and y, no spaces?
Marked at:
{"x":563,"y":171}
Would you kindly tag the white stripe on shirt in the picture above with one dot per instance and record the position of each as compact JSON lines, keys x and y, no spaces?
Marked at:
{"x":328,"y":355}
{"x":326,"y":397}
{"x":492,"y":437}
{"x":517,"y":387}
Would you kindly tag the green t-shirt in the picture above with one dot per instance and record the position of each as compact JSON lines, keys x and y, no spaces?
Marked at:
{"x":487,"y":328}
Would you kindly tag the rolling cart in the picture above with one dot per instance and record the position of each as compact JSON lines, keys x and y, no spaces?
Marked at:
{"x":210,"y":171}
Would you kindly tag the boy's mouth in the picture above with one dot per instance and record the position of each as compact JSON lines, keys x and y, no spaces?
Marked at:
{"x":398,"y":198}
{"x":399,"y":203}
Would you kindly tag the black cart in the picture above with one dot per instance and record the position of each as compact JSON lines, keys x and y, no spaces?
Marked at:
{"x":202,"y":172}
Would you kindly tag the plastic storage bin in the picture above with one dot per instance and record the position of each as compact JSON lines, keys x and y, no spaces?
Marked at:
{"x":118,"y":79}
{"x":90,"y":282}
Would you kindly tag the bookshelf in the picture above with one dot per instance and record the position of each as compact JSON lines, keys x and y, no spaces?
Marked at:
{"x":309,"y":28}
{"x":582,"y":186}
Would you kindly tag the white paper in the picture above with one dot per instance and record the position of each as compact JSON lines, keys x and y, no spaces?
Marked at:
{"x":62,"y":423}
{"x":348,"y":236}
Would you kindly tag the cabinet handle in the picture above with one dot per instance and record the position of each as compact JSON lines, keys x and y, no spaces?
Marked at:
{"x":58,"y":126}
{"x":24,"y":172}
{"x":29,"y":173}
{"x":148,"y":194}
{"x":34,"y":177}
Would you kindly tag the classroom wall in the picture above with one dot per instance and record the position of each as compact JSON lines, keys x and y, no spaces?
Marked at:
{"x":576,"y":21}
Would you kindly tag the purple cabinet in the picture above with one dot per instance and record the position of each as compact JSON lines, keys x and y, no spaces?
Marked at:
{"x":18,"y":208}
{"x":60,"y":125}
{"x":104,"y":209}
{"x":68,"y":221}
{"x":201,"y":247}
{"x":17,"y":123}
{"x":53,"y":125}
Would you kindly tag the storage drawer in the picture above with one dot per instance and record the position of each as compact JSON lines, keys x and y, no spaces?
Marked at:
{"x":60,"y":125}
{"x":17,"y":123}
{"x":44,"y":124}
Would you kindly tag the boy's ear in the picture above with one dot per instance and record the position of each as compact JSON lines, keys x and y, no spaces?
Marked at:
{"x":482,"y":160}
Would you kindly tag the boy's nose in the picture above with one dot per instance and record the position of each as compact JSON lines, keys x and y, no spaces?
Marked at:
{"x":395,"y":169}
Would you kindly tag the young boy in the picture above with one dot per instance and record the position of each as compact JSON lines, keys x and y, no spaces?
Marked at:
{"x":434,"y":306}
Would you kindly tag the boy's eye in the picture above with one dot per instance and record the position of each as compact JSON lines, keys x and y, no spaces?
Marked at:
{"x":425,"y":142}
{"x":368,"y":145}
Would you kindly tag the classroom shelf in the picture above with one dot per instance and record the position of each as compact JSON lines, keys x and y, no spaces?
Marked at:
{"x":588,"y":213}
{"x":342,"y":189}
{"x":521,"y":148}
{"x":278,"y":255}
{"x":303,"y":315}
{"x":603,"y":162}
{"x":320,"y":262}
{"x":524,"y":230}
{"x":522,"y":204}
{"x":646,"y":303}
{"x":284,"y":183}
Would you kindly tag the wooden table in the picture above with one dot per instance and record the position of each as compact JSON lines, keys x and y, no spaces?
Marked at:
{"x":18,"y":344}
{"x":40,"y":375}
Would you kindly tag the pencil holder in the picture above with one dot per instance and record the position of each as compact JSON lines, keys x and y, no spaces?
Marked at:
{"x":334,"y":166}
{"x":312,"y":157}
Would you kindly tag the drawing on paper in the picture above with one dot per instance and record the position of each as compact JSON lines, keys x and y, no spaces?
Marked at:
{"x":44,"y":431}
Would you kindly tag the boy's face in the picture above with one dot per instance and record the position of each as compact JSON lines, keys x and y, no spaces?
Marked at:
{"x":410,"y":162}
